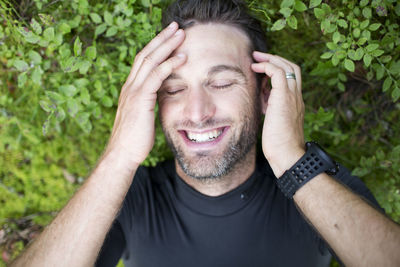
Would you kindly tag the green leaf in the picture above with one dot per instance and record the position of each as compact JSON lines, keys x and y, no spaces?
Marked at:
{"x":366,"y":34}
{"x":84,"y":66}
{"x":341,"y":54}
{"x":77,"y":47}
{"x":299,"y":6}
{"x":363,"y":3}
{"x":85,"y":97}
{"x":319,"y":13}
{"x":395,"y":68}
{"x":380,"y":71}
{"x":331,"y":45}
{"x":286,"y":12}
{"x":352,"y":54}
{"x":145,"y":3}
{"x":106,"y":101}
{"x":91,"y":52}
{"x":349,"y":65}
{"x":372,"y":47}
{"x":292,"y":22}
{"x":367,"y":60}
{"x":341,"y":87}
{"x":374,"y":26}
{"x":55,"y":97}
{"x":82,"y":118}
{"x":287,"y":3}
{"x":72,"y":107}
{"x":36,"y":75}
{"x":46,"y":105}
{"x":68,"y":90}
{"x":59,"y":114}
{"x":279,"y":25}
{"x":22,"y":78}
{"x":35,"y":57}
{"x":342,"y":23}
{"x":326,"y":55}
{"x":95,"y":18}
{"x":111,"y":31}
{"x":36,"y":26}
{"x":367,"y":13}
{"x":336,"y":37}
{"x":48,"y":34}
{"x":335,"y":60}
{"x":20,"y":65}
{"x":386,"y":84}
{"x":64,"y":28}
{"x":356,"y":32}
{"x":377,"y":53}
{"x":108,"y":18}
{"x":385,"y":59}
{"x":396,"y":94}
{"x":314,"y":3}
{"x":100,"y":29}
{"x":342,"y":77}
{"x":364,"y":24}
{"x":397,"y":10}
{"x":359,"y":53}
{"x":362,"y":41}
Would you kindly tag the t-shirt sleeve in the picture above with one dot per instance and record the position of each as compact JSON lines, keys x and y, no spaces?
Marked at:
{"x":116,"y":242}
{"x":112,"y":248}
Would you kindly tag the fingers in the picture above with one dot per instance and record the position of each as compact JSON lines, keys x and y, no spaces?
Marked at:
{"x":158,"y":55}
{"x":150,"y":47}
{"x":277,"y":74}
{"x":161,"y":72}
{"x":283,"y":63}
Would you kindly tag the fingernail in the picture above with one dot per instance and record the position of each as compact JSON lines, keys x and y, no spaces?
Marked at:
{"x":172,"y":25}
{"x":179,"y":32}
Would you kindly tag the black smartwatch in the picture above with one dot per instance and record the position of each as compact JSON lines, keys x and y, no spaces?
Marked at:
{"x":312,"y":163}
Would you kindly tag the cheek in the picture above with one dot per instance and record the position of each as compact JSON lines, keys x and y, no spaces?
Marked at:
{"x":167,"y":110}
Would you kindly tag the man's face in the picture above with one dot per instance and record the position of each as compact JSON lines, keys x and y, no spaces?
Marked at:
{"x":208,"y":107}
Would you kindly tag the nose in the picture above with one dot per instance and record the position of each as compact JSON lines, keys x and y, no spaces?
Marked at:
{"x":199,"y":105}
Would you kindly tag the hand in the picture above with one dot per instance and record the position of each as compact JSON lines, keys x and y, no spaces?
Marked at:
{"x":283,"y":133}
{"x":133,"y":132}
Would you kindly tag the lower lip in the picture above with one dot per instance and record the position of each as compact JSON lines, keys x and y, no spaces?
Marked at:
{"x":204,"y":145}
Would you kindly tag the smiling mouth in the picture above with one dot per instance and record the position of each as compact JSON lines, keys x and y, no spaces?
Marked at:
{"x":203,"y":137}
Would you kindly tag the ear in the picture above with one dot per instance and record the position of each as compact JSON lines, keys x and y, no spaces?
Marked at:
{"x":264,"y":94}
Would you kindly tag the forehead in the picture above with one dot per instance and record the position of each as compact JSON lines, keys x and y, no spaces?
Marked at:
{"x":207,"y":45}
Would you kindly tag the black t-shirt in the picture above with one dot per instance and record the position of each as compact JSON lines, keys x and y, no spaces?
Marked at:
{"x":165,"y":222}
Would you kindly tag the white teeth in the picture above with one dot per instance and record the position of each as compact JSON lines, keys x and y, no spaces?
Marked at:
{"x":203,"y":137}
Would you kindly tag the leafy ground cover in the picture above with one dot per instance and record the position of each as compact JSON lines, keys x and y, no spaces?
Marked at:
{"x":62,"y":64}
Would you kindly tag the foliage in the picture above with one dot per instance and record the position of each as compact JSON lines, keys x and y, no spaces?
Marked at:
{"x":63,"y":63}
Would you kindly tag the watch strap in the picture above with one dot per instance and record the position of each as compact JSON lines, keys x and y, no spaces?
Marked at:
{"x":312,"y":163}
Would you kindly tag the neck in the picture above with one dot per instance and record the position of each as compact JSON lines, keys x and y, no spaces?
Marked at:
{"x":219,"y":186}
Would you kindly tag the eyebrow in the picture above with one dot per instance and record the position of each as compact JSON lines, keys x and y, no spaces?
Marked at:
{"x":220,"y":68}
{"x":214,"y":70}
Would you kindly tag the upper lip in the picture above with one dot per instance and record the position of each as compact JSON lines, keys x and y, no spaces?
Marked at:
{"x":200,"y":131}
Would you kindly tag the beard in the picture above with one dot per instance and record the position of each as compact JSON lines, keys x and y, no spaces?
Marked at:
{"x":206,"y":166}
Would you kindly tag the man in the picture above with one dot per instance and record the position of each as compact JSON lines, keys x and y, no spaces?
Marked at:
{"x":218,"y":203}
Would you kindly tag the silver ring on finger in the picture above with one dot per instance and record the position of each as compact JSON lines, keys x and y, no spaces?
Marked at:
{"x":290,"y":75}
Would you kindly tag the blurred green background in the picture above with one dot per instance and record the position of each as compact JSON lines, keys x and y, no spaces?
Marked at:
{"x":62,"y":64}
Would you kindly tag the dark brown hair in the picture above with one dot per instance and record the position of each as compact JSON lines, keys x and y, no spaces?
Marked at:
{"x":188,"y":13}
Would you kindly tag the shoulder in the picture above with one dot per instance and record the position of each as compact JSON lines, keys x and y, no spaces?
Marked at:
{"x":158,"y":174}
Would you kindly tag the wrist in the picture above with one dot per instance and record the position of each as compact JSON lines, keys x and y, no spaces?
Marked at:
{"x":284,"y":160}
{"x":118,"y":162}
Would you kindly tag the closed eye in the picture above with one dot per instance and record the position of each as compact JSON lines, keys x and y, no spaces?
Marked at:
{"x":222,"y":86}
{"x":174,"y":92}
